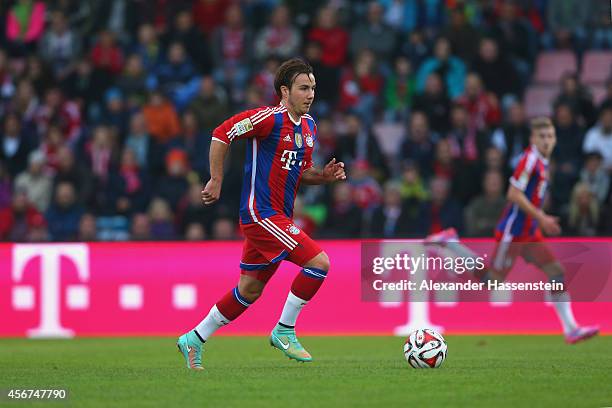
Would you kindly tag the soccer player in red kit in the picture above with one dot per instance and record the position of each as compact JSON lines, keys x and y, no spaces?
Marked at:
{"x":519,"y":231}
{"x":280,"y":141}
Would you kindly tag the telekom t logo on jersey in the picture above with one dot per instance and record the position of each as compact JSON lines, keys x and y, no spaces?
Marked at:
{"x":50,"y":256}
{"x":289,"y":157}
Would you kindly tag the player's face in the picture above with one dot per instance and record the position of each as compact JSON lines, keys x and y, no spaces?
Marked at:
{"x":545,"y":140}
{"x":302,"y":93}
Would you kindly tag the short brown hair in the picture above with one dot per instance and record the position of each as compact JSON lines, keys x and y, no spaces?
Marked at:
{"x":540,"y":122}
{"x":288,"y":71}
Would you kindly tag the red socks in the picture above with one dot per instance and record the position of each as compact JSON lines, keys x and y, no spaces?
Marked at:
{"x":308,"y":282}
{"x":232,"y":304}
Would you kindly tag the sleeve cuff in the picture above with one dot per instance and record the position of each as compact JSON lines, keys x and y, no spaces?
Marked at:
{"x":517,"y":184}
{"x":219,"y":140}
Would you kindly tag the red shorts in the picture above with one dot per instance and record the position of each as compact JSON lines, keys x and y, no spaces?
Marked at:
{"x":532,"y":249}
{"x":271,"y":240}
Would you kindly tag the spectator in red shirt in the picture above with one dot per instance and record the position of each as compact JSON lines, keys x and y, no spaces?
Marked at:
{"x":328,"y":79}
{"x":101,"y":152}
{"x":106,"y":54}
{"x":334,"y":39}
{"x":61,"y":112}
{"x":128,"y":186}
{"x":442,"y":211}
{"x":361,"y":85}
{"x":208,"y":14}
{"x":264,"y":80}
{"x":444,"y":164}
{"x":367,"y":193}
{"x":232,"y":48}
{"x":17,"y":220}
{"x":279,"y":38}
{"x":482,"y":106}
{"x":51,"y":144}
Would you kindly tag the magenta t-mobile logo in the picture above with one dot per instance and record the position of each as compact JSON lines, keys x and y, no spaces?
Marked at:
{"x":50,"y":283}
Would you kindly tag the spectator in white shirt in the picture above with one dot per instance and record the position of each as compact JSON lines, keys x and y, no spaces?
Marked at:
{"x":599,"y":137}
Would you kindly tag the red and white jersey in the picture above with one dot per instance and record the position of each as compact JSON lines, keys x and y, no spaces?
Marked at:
{"x":69,"y":116}
{"x":531,"y":177}
{"x":278,"y":152}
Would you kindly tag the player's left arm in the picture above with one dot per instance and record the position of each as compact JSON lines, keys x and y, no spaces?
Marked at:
{"x":549,"y":224}
{"x":333,"y":171}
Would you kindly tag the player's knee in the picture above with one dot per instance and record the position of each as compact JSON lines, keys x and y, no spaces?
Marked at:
{"x":321,"y":261}
{"x":251,"y":294}
{"x":250,"y":289}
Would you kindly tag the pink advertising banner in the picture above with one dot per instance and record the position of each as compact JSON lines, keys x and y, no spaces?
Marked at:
{"x":119,"y":289}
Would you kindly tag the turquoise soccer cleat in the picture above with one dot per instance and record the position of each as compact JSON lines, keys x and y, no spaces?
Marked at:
{"x":191,"y":347}
{"x":286,"y":341}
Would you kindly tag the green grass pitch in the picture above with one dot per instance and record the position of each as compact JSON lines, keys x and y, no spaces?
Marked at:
{"x":500,"y":371}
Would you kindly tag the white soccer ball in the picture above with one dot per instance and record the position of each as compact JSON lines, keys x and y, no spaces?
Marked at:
{"x":425,"y":348}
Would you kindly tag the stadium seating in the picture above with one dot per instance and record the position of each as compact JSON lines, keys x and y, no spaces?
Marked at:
{"x":550,"y":66}
{"x":596,"y":67}
{"x":539,"y":98}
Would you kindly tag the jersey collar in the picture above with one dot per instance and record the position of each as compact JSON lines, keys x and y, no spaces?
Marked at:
{"x":299,"y":121}
{"x":534,"y":148}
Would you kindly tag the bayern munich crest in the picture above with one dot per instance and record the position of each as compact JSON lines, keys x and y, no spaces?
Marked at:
{"x":298,"y":140}
{"x":293,"y":229}
{"x":309,"y":141}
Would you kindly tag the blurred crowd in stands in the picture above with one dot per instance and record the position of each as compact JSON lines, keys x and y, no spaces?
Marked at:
{"x":107,"y":111}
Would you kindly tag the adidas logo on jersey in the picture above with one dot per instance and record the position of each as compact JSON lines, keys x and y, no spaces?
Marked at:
{"x":288,"y":139}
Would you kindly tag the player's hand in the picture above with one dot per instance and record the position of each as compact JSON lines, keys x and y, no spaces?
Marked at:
{"x":334,"y":171}
{"x":211,"y":192}
{"x":550,"y":225}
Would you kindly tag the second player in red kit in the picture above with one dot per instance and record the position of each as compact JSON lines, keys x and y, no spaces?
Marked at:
{"x":519,"y":231}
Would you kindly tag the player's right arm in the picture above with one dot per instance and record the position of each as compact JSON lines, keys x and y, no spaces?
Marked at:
{"x":516,"y":195}
{"x":212,"y":190}
{"x":248,"y":124}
